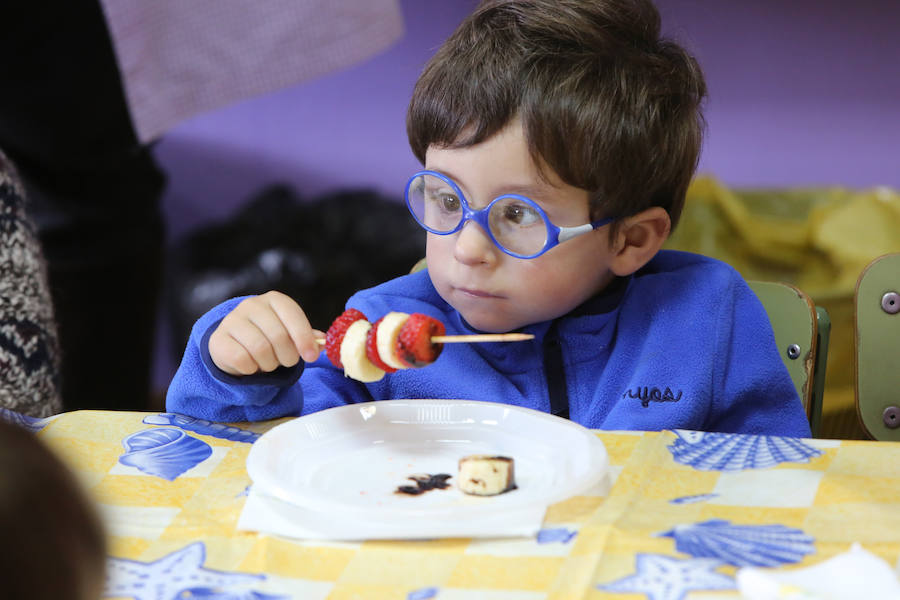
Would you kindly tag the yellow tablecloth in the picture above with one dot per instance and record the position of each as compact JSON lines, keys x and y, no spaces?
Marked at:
{"x":685,"y":510}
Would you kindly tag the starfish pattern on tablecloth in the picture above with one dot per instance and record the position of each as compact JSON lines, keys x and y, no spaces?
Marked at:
{"x":175,"y":575}
{"x":422,"y":594}
{"x":661,"y":577}
{"x":692,"y":499}
{"x":557,"y":534}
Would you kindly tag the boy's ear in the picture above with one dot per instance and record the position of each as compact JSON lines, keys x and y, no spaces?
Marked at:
{"x":638,"y":239}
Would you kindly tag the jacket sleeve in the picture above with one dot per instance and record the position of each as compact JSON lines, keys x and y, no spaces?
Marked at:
{"x":755,"y":391}
{"x":202,"y":390}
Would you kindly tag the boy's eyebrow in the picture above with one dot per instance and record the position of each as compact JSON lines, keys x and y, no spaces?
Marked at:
{"x":529,"y":190}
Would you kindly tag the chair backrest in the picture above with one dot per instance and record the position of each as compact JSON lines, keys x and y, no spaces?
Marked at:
{"x":877,"y":354}
{"x":420,"y":264}
{"x":801,"y":333}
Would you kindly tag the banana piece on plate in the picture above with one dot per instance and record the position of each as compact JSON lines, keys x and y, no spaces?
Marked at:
{"x":486,"y":475}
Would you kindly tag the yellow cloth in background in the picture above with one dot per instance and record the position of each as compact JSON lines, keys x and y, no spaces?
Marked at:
{"x":818,"y":239}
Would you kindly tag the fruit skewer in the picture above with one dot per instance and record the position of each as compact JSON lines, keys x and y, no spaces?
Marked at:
{"x":366,"y":351}
{"x":471,"y":338}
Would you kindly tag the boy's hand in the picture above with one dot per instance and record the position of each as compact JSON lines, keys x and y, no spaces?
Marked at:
{"x":261,"y":334}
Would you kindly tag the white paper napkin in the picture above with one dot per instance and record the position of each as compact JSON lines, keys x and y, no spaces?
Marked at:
{"x":850,"y":575}
{"x":266,"y":514}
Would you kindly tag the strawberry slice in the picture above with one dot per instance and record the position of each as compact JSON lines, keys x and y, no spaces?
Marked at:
{"x":372,"y":348}
{"x":335,"y":334}
{"x":414,"y":345}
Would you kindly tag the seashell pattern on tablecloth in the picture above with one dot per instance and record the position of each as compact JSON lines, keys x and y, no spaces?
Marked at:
{"x":164,"y":452}
{"x":742,"y":545}
{"x":203,"y":427}
{"x":706,"y":451}
{"x":32,"y":424}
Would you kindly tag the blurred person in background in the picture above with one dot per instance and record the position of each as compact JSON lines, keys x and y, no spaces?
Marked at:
{"x":94,"y":195}
{"x":54,"y":544}
{"x":92,"y":85}
{"x":29,"y":348}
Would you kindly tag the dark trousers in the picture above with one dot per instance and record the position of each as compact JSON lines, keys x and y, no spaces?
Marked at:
{"x":93,"y":192}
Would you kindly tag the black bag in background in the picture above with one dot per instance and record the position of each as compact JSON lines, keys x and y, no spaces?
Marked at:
{"x":318,"y":252}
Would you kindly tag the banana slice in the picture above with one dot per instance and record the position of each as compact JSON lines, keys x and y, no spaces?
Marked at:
{"x":353,"y":354}
{"x":486,"y":475}
{"x":386,"y":338}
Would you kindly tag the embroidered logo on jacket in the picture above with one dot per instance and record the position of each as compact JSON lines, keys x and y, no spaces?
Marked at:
{"x":652,"y":394}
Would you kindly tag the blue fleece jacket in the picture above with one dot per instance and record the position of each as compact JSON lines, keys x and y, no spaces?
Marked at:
{"x":682,"y":343}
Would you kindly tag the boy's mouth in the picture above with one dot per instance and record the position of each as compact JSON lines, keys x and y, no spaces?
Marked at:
{"x":476,"y":293}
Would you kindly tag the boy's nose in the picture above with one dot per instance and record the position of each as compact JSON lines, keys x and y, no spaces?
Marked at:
{"x":474,"y":245}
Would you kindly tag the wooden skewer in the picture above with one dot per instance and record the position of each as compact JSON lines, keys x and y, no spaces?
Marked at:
{"x":482,"y":337}
{"x":478,"y":337}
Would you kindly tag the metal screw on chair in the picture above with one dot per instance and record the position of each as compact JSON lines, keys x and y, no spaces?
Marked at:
{"x":891,"y":417}
{"x":793,"y":351}
{"x":890,"y":303}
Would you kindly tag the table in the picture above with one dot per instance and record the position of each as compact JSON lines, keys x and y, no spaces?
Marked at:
{"x":680,"y":512}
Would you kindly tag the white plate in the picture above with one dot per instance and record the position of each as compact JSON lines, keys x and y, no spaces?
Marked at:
{"x":351,"y":459}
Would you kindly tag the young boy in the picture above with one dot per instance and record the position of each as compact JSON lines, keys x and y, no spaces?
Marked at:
{"x":555,"y":114}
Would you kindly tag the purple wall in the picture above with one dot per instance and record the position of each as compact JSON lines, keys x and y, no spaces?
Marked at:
{"x":801,"y":92}
{"x":345,"y":129}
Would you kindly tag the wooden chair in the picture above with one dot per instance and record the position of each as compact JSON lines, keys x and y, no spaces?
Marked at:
{"x":876,"y":361}
{"x":802,"y":332}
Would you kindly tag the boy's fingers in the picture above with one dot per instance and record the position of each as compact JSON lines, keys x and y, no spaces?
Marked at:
{"x":275,"y":331}
{"x":298,"y":328}
{"x":254,"y":341}
{"x":229,"y":355}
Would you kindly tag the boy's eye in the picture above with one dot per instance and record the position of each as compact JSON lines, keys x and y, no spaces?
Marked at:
{"x":446,"y":200}
{"x":521,"y":214}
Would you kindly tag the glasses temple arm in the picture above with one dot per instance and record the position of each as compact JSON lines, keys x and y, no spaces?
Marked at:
{"x":567,"y":233}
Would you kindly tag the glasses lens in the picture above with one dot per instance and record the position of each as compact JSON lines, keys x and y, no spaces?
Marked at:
{"x":434,"y":203}
{"x":517,"y":225}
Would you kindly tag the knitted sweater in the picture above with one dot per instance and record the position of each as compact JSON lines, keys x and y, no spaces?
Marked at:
{"x":29,"y":349}
{"x":683,"y":343}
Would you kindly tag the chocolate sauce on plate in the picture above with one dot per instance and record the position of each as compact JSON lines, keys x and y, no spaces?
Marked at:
{"x":424,"y":483}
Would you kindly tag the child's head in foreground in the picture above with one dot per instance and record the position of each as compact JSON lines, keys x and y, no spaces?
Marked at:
{"x":582,"y":112}
{"x":53,"y":543}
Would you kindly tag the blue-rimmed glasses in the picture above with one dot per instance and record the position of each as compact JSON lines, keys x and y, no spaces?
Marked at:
{"x":516,"y":224}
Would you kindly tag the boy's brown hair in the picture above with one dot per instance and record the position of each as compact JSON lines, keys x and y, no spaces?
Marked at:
{"x":604,"y":101}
